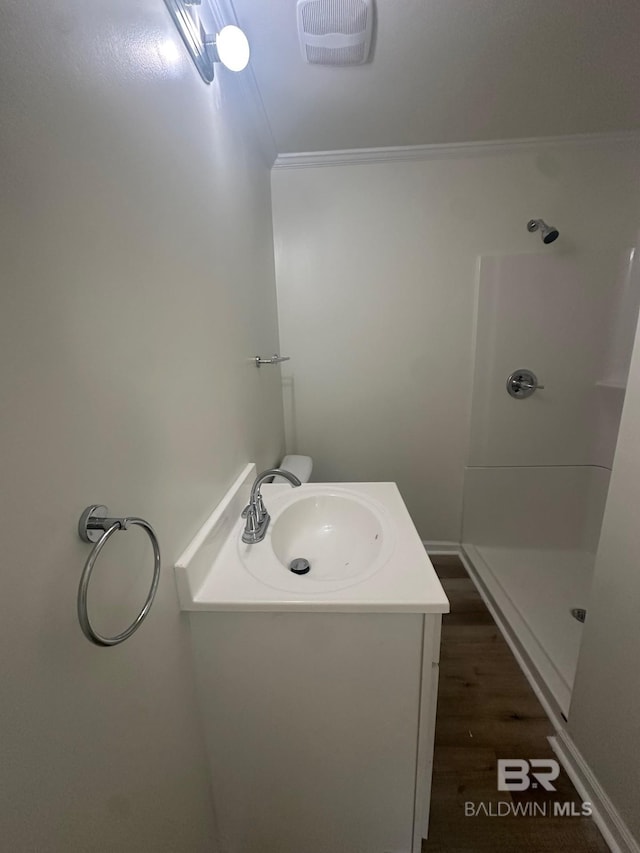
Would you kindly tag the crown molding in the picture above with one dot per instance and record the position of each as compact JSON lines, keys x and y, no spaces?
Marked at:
{"x":448,"y":151}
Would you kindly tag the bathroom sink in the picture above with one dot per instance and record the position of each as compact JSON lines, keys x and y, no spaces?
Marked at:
{"x":364,"y":553}
{"x":342,"y":536}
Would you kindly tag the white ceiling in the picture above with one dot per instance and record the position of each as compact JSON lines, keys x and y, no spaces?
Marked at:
{"x":448,"y":71}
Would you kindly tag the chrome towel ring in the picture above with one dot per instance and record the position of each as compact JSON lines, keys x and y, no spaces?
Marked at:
{"x":94,"y":526}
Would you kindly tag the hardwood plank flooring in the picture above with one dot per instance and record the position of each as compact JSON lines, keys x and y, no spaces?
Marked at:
{"x":486,"y":711}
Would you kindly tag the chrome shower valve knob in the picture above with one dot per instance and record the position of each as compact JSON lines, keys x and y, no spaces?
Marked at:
{"x":522,"y":384}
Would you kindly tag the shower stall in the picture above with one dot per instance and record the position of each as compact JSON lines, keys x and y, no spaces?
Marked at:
{"x":553,"y":340}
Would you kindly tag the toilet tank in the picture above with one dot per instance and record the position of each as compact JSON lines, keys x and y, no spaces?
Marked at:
{"x":301,"y":466}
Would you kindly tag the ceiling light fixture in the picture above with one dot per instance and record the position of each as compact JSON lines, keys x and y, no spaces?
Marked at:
{"x":229,"y":46}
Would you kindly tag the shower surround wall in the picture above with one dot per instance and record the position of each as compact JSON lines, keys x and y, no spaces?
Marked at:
{"x":536,"y":487}
{"x":554,"y":314}
{"x":376,"y":275}
{"x":138,"y":280}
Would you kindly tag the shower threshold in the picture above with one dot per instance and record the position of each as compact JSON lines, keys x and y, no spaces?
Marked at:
{"x":534,"y":592}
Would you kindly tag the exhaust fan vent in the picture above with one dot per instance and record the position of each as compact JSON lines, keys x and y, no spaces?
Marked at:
{"x":335,"y":32}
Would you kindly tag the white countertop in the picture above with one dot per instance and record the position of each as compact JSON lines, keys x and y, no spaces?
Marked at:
{"x":212,"y":576}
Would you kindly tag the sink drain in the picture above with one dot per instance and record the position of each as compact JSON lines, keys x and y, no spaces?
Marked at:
{"x":300,"y":566}
{"x":579,"y":613}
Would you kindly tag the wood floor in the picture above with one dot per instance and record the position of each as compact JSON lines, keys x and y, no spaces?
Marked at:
{"x":486,"y":711}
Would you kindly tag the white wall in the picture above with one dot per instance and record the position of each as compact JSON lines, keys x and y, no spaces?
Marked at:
{"x":605,"y":709}
{"x":376,"y":273}
{"x":137,"y":280}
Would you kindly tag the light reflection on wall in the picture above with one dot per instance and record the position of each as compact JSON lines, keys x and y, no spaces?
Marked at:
{"x":169,"y":51}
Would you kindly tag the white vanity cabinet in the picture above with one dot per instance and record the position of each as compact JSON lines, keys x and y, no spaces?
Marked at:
{"x":317,"y":692}
{"x":319,"y":728}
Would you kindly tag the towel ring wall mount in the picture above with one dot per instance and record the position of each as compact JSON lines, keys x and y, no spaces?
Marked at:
{"x":97,"y":528}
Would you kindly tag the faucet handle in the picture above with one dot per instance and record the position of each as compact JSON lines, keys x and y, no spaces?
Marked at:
{"x":249,"y":514}
{"x":259,"y":507}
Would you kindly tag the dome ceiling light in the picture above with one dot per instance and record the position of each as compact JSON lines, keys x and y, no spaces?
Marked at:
{"x":229,"y":46}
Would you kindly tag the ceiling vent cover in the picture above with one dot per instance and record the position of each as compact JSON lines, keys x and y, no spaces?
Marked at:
{"x":335,"y":32}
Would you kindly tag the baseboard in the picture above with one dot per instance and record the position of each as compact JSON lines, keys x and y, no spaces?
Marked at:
{"x":440,"y":546}
{"x":605,"y":815}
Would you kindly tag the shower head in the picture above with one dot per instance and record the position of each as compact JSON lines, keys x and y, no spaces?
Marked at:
{"x":547,"y":232}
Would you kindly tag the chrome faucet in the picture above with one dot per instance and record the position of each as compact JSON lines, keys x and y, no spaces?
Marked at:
{"x":255,"y":514}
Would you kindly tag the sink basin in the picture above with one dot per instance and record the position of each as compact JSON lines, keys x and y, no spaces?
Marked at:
{"x":339,"y":536}
{"x":344,"y":536}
